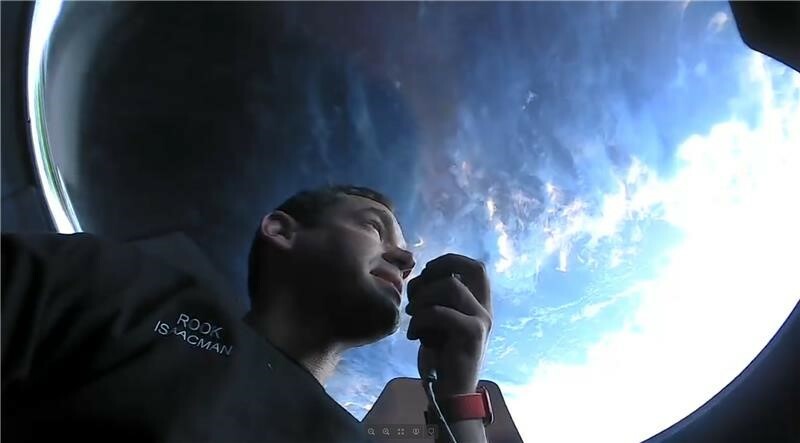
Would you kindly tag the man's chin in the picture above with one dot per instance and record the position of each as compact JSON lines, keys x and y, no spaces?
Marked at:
{"x":370,"y":322}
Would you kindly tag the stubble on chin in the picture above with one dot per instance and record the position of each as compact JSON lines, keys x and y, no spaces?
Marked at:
{"x":367,"y":319}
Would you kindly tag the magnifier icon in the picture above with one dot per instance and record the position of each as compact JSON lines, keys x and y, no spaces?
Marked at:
{"x":385,"y":431}
{"x":371,"y":431}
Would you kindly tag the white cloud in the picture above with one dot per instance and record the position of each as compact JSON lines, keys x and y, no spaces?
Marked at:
{"x":724,"y":293}
{"x":718,"y":21}
{"x":504,"y":352}
{"x":517,"y":324}
{"x":684,"y":4}
{"x":491,"y":208}
{"x":591,"y":310}
{"x":539,"y":333}
{"x":505,"y":247}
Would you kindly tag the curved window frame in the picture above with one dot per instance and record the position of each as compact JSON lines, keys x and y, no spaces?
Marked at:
{"x":59,"y":204}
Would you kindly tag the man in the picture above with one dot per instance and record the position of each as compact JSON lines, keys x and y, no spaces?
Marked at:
{"x":100,"y":340}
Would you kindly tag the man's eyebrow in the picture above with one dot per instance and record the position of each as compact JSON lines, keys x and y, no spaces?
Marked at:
{"x":387,"y":221}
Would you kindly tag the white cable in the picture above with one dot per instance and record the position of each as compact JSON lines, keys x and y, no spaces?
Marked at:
{"x":428,"y":383}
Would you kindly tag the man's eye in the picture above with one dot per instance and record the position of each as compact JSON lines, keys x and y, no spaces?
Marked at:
{"x":376,"y":226}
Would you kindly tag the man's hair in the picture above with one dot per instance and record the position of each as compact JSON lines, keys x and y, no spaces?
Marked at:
{"x":307,"y":207}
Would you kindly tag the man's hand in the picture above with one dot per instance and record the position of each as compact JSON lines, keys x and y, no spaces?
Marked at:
{"x":451,"y":309}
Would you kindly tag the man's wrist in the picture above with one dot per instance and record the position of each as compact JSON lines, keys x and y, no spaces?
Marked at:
{"x":465,"y":431}
{"x":443,"y":390}
{"x":443,"y":396}
{"x":460,"y":407}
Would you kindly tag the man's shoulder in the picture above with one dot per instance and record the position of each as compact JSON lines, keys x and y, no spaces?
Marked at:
{"x":52,"y":243}
{"x":86,"y":266}
{"x":78,"y":246}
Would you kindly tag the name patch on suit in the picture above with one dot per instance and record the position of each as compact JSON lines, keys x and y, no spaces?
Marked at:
{"x":201,"y":334}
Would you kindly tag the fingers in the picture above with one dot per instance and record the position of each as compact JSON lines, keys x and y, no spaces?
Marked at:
{"x":472,"y":272}
{"x":448,"y":292}
{"x":449,"y":263}
{"x":428,"y":327}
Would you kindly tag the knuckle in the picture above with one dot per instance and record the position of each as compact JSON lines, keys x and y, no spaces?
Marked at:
{"x":478,"y":330}
{"x":483,"y":334}
{"x":478,"y":266}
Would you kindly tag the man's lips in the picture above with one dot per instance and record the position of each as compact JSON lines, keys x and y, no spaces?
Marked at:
{"x":395,"y":294}
{"x":395,"y":281}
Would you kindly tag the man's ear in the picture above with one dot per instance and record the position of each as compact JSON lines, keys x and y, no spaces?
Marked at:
{"x":279,"y":229}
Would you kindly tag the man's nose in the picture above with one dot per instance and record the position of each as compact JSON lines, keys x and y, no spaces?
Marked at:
{"x":404,"y":260}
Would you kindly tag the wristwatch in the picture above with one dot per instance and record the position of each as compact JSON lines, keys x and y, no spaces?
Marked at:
{"x":463,"y":407}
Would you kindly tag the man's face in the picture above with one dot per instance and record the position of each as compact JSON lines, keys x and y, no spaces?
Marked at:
{"x":352,"y":268}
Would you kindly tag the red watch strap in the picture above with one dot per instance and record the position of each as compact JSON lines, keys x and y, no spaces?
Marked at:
{"x":465,"y":407}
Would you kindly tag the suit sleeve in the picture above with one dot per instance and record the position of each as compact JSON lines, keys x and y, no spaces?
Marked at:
{"x":29,"y":268}
{"x":52,"y":299}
